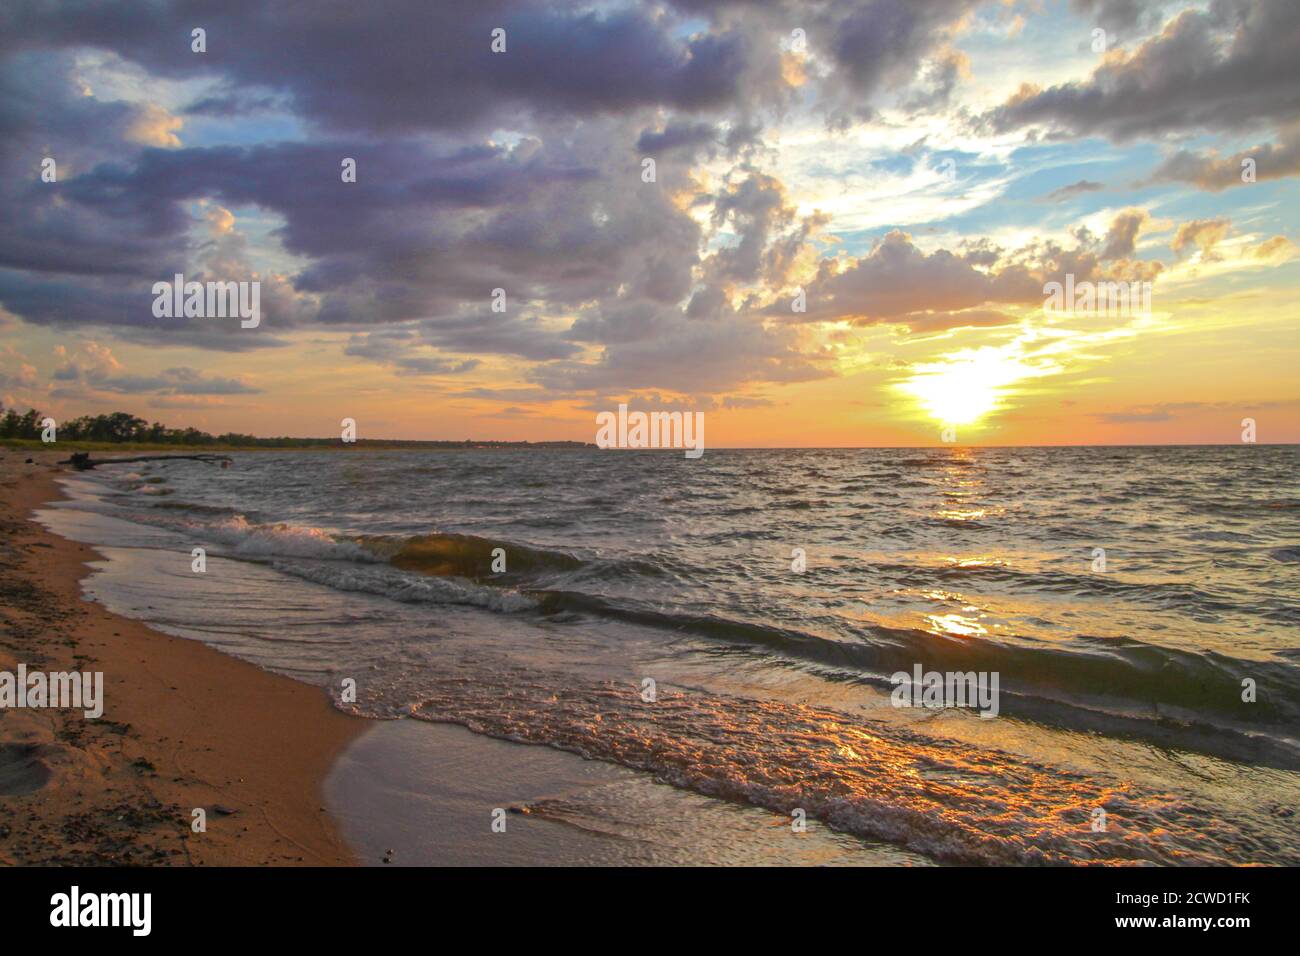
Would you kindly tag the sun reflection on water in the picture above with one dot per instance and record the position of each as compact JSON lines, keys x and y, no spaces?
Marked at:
{"x":957,"y":624}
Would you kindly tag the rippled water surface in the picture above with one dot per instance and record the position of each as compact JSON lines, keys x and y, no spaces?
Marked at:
{"x":1124,"y":597}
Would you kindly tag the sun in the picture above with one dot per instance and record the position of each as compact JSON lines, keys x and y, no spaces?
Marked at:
{"x":967,"y":386}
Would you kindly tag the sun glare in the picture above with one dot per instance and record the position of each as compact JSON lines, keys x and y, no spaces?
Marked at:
{"x":968,"y":386}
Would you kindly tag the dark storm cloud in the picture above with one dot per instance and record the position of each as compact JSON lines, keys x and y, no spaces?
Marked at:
{"x":866,"y":47}
{"x":125,"y":307}
{"x":677,"y":135}
{"x":50,"y":300}
{"x":425,"y":232}
{"x":303,"y":183}
{"x":883,"y":40}
{"x":44,"y":114}
{"x":410,"y":64}
{"x":383,"y":241}
{"x":225,"y":106}
{"x":1230,"y":67}
{"x":497,"y":333}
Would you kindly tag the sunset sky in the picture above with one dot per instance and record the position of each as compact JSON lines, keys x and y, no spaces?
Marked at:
{"x":919,"y":169}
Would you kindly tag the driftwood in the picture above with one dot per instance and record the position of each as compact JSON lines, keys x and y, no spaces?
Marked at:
{"x":81,"y":460}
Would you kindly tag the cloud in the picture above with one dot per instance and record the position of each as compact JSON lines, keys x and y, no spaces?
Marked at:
{"x":353,"y":70}
{"x":154,"y":126}
{"x":692,"y":357}
{"x":897,"y":282}
{"x":401,"y":349}
{"x":1278,"y":246}
{"x":521,"y":171}
{"x":1173,"y":411}
{"x":944,"y":321}
{"x":897,"y":279}
{"x":754,"y":208}
{"x":1122,"y":235}
{"x":220,"y":221}
{"x":1229,"y":67}
{"x":883,"y":42}
{"x":1074,"y":189}
{"x":497,"y":333}
{"x":677,"y":134}
{"x":1119,"y":17}
{"x":1126,"y":418}
{"x":1202,"y":234}
{"x":92,"y":367}
{"x":1208,"y":170}
{"x":15,"y":370}
{"x":938,"y":81}
{"x":234,"y":104}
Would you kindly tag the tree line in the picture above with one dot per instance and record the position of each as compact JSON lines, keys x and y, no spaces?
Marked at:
{"x":118,"y":427}
{"x":125,"y":427}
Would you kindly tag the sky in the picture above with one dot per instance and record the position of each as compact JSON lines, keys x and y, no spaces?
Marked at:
{"x":818,"y":223}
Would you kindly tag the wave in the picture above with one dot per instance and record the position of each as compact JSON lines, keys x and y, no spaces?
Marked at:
{"x":198,"y":509}
{"x":249,"y":539}
{"x":1086,"y":682}
{"x":396,"y":585}
{"x":1116,"y":685}
{"x":466,"y":556}
{"x":1160,"y":594}
{"x":947,"y":800}
{"x":1180,"y":697}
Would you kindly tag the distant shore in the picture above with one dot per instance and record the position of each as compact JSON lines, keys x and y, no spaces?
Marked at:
{"x":17,"y":445}
{"x":184,"y":727}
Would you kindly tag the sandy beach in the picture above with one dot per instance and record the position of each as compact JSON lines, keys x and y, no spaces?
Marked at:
{"x":183,"y":727}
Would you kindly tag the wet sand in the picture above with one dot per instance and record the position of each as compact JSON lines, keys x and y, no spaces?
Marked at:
{"x":428,"y":793}
{"x":184,"y":727}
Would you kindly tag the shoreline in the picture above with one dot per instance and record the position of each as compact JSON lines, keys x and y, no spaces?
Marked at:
{"x":184,"y":726}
